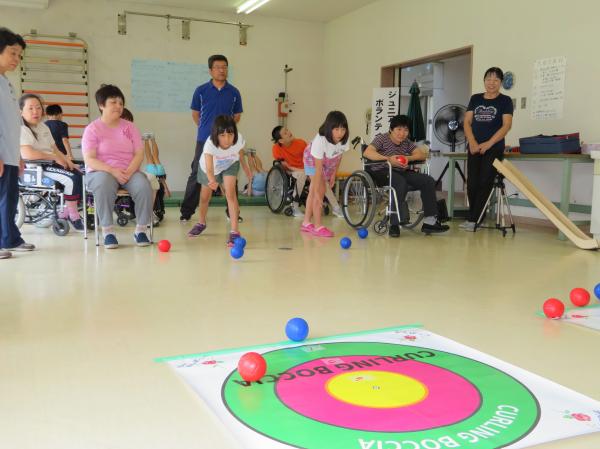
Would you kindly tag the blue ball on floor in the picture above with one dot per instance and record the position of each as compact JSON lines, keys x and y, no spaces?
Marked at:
{"x":240,"y":242}
{"x":363,"y":233}
{"x":597,"y":291}
{"x":296,"y":329}
{"x":236,"y":252}
{"x":345,"y":242}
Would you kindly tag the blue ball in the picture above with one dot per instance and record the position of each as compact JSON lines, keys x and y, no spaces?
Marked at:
{"x":597,"y":291}
{"x":236,"y":252}
{"x":345,"y":242}
{"x":296,"y":329}
{"x":363,"y":233}
{"x":240,"y":242}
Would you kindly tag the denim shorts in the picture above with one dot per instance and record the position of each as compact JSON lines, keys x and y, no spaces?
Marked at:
{"x":231,"y":171}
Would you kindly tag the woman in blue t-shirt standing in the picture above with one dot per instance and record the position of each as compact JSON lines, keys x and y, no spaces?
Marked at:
{"x":487,"y":120}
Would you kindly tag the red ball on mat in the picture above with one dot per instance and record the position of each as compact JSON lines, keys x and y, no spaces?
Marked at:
{"x":252,"y":366}
{"x":553,"y":308}
{"x":580,"y":297}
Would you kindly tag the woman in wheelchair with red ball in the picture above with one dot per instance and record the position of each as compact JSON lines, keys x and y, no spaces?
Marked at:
{"x":387,"y":147}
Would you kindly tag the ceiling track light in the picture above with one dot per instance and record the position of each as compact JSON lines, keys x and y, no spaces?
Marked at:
{"x":250,"y":5}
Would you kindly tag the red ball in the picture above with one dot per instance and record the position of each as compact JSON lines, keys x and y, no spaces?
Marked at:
{"x":164,"y":246}
{"x":580,"y":297}
{"x":252,"y":366}
{"x":402,"y":159}
{"x":553,"y":308}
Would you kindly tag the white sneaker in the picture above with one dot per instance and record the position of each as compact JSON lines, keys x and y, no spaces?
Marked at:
{"x":297,"y":212}
{"x":466,"y":224}
{"x":5,"y":254}
{"x":337,"y":211}
{"x":469,"y":227}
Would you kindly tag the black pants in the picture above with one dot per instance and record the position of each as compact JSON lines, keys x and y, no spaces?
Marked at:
{"x":401,"y":181}
{"x":191,"y":197}
{"x":480,"y":179}
{"x":10,"y":236}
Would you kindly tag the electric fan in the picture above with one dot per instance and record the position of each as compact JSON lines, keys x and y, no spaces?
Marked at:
{"x":448,"y":125}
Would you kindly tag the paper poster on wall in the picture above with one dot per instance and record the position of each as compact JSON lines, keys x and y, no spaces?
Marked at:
{"x":165,"y":86}
{"x":386,"y":101}
{"x":548,"y":93}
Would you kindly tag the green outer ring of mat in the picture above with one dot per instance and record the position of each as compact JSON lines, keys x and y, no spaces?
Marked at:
{"x":276,"y":421}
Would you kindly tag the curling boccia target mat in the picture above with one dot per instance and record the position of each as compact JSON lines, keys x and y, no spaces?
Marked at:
{"x":403,"y":385}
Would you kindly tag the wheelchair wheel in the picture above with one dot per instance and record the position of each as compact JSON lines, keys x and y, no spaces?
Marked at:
{"x":39,"y":211}
{"x":359,"y":199}
{"x":413,"y":209}
{"x":276,"y":188}
{"x":122,"y":220}
{"x":60,"y":227}
{"x":381,"y":226}
{"x":124,"y":207}
{"x":288,"y":211}
{"x":90,"y":222}
{"x":20,"y":217}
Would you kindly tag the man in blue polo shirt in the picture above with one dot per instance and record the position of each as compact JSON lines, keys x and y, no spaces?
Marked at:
{"x":211,"y":99}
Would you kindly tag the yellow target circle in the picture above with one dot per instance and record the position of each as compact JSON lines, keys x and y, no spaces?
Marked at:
{"x":376,"y":389}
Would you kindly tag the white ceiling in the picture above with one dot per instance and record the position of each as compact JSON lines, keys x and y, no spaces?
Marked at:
{"x":310,"y":10}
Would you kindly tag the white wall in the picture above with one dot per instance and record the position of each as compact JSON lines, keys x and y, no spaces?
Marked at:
{"x":511,"y":35}
{"x":257,"y":68}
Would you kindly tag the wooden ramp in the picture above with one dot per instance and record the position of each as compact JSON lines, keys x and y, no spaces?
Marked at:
{"x":553,"y":213}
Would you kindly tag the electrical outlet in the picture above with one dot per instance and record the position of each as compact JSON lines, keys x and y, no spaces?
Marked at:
{"x":523,"y":102}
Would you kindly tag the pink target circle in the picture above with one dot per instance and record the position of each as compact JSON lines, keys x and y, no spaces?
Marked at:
{"x":451,"y":398}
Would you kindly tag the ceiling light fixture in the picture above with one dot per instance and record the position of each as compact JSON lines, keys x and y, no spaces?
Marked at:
{"x":250,"y":5}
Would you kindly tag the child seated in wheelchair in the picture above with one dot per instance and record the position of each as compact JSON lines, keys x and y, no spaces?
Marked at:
{"x":321,"y":161}
{"x":290,"y":151}
{"x":37,"y":144}
{"x":386,"y":148}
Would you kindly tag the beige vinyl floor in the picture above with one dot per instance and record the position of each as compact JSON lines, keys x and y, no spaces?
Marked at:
{"x":80,"y":325}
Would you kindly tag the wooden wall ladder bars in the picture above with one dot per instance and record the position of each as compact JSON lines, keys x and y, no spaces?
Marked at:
{"x":56,"y":68}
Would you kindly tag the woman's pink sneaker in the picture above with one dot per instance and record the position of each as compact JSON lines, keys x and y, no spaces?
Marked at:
{"x":322,"y":232}
{"x":307,"y":228}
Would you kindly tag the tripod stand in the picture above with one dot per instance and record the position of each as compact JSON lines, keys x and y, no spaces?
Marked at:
{"x":498,"y":195}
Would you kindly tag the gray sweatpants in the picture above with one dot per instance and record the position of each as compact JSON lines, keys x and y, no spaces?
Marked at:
{"x":104,"y":186}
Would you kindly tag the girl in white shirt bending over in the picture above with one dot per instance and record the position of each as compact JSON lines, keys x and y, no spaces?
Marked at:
{"x":322,"y":158}
{"x":219,"y":165}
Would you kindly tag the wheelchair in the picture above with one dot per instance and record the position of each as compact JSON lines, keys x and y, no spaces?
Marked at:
{"x":280,"y":190}
{"x":40,"y":200}
{"x":364,"y":202}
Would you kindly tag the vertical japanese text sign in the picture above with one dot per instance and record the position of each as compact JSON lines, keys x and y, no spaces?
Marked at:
{"x":386,"y":101}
